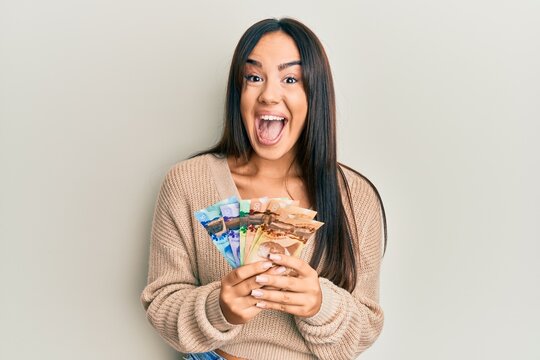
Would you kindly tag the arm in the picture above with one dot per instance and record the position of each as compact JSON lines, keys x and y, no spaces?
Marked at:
{"x":334,"y":323}
{"x":349,"y":323}
{"x":186,"y":315}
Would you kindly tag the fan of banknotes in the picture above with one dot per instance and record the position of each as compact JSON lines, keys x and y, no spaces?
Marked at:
{"x":246,"y":231}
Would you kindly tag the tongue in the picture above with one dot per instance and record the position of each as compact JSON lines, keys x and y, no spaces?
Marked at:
{"x":270,"y":129}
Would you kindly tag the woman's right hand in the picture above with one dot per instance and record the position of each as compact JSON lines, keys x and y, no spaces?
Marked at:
{"x":237,"y":304}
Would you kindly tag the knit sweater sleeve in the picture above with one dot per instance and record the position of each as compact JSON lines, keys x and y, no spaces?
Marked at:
{"x":349,"y":323}
{"x":185,"y":314}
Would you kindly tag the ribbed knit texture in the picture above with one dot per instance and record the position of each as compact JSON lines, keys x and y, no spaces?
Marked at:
{"x":185,"y":269}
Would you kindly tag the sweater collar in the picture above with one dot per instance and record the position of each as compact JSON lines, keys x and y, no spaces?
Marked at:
{"x":222,"y":176}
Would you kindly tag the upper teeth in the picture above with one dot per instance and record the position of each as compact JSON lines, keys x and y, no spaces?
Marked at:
{"x":271,"y":117}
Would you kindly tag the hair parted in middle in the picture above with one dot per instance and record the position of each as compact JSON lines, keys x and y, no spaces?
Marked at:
{"x":316,"y":150}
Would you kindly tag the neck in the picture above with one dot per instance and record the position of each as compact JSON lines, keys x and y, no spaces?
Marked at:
{"x":281,"y":168}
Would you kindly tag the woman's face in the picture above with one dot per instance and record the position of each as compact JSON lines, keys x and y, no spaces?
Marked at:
{"x":273,"y":101}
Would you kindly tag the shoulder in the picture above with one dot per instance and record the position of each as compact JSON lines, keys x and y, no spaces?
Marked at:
{"x":191,"y":171}
{"x":190,"y":167}
{"x":367,"y":208}
{"x":188,"y":176}
{"x":363,"y":192}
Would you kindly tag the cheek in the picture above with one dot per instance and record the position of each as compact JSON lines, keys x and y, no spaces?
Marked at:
{"x":298,"y":100}
{"x":243,"y":103}
{"x":299,"y":105}
{"x":246,"y":111}
{"x":299,"y":110}
{"x":247,"y":100}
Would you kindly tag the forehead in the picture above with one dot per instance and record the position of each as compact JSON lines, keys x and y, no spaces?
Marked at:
{"x":275,"y":48}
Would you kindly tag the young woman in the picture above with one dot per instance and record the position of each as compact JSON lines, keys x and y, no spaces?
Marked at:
{"x":279,"y":140}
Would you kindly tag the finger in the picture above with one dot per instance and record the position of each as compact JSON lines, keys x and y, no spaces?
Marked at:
{"x":252,"y":311}
{"x":244,"y":288}
{"x":287,"y":283}
{"x":290,"y":309}
{"x":245,"y":272}
{"x":300,"y":266}
{"x":281,"y":297}
{"x":276,"y":270}
{"x":243,"y":310}
{"x":247,"y":302}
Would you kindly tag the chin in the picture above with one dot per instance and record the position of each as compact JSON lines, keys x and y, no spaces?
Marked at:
{"x":272,"y":154}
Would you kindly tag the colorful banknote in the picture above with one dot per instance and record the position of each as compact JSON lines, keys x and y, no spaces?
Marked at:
{"x":244,"y":217}
{"x":213,"y":222}
{"x":256,"y":212}
{"x":284,"y":233}
{"x":231,"y":217}
{"x":245,"y":231}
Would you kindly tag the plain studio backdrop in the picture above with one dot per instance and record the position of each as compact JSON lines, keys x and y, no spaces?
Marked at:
{"x":438,"y":104}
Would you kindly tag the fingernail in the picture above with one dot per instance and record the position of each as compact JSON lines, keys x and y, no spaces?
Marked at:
{"x":261,"y":304}
{"x":261,"y":279}
{"x":267,"y":265}
{"x":275,"y":257}
{"x":256,"y":293}
{"x":280,"y":270}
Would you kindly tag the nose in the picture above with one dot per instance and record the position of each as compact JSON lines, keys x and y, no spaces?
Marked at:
{"x":270,"y":92}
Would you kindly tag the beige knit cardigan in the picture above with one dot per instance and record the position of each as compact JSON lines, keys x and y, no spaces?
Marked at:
{"x":182,"y":295}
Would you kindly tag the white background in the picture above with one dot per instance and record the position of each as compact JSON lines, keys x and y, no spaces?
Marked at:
{"x":438,"y":104}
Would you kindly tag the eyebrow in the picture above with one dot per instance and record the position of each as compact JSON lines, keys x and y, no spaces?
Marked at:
{"x":280,"y":66}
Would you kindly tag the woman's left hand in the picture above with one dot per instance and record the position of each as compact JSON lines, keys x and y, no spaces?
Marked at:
{"x":300,"y":296}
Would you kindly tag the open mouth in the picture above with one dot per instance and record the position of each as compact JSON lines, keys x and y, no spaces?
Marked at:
{"x":270,"y":128}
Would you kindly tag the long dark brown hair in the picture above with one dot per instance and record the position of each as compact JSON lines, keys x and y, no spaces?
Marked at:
{"x":316,"y":154}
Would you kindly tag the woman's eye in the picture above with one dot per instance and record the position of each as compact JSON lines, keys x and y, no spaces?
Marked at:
{"x":291,"y":80}
{"x":253,"y":78}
